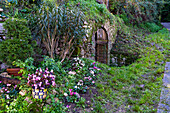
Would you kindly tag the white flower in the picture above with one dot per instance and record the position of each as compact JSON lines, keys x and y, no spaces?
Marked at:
{"x":65,"y":94}
{"x":52,"y":71}
{"x":71,"y":72}
{"x":92,"y":72}
{"x":1,"y":9}
{"x":7,"y":96}
{"x":75,"y":87}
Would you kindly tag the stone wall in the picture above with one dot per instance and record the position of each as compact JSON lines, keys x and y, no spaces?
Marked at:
{"x":89,"y":50}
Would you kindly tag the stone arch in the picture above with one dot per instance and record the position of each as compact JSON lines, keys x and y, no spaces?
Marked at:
{"x":101,"y":45}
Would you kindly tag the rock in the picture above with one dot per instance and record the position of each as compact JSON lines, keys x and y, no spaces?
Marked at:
{"x":3,"y":66}
{"x":5,"y":74}
{"x":6,"y":80}
{"x":48,"y":101}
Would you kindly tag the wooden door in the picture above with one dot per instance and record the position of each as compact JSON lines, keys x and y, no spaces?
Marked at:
{"x":101,"y":54}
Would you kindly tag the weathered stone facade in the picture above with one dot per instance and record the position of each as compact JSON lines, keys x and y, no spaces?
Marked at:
{"x":90,"y":50}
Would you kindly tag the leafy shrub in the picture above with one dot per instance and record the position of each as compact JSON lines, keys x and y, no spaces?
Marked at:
{"x":152,"y":27}
{"x":18,"y":43}
{"x":18,"y":8}
{"x":135,"y":12}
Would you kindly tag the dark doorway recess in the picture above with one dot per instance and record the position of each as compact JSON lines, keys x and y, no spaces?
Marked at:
{"x":101,"y":46}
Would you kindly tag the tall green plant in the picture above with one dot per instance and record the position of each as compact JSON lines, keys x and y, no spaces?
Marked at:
{"x":58,"y":28}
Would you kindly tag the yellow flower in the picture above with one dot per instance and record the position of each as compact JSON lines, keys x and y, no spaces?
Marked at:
{"x":124,"y":6}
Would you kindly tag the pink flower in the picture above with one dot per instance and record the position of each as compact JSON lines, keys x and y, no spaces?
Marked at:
{"x":53,"y":83}
{"x":93,"y":82}
{"x":80,"y":80}
{"x":41,"y":87}
{"x":40,"y":84}
{"x":85,"y":77}
{"x":8,"y":84}
{"x":94,"y":67}
{"x":46,"y":81}
{"x":0,"y":81}
{"x":38,"y":78}
{"x":67,"y":106}
{"x":74,"y":93}
{"x":3,"y":88}
{"x":90,"y":78}
{"x":15,"y":86}
{"x":40,"y":70}
{"x":1,"y":91}
{"x":8,"y":91}
{"x":94,"y":63}
{"x":70,"y":90}
{"x":71,"y":93}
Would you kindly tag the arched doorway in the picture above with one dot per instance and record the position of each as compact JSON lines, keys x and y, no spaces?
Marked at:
{"x":101,"y":46}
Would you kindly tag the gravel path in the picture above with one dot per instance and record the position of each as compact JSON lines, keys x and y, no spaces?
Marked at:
{"x":164,"y":104}
{"x":166,"y":25}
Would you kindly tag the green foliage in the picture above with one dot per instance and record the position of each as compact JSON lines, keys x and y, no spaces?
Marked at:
{"x":165,"y":15}
{"x":93,"y":10}
{"x":151,"y":27}
{"x":18,"y":43}
{"x":58,"y":24}
{"x":18,"y":8}
{"x":27,"y":66}
{"x":136,"y":12}
{"x":139,"y":84}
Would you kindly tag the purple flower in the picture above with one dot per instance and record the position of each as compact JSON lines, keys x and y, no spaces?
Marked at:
{"x":67,"y":106}
{"x":94,"y":67}
{"x":8,"y":91}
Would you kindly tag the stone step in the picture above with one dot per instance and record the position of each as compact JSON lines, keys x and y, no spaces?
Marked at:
{"x":164,"y":104}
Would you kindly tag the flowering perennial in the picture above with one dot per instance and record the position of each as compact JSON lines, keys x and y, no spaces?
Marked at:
{"x":41,"y":79}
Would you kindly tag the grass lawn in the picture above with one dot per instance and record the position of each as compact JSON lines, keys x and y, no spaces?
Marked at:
{"x":137,"y":87}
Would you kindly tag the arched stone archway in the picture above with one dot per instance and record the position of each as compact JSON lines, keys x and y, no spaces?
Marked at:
{"x":101,"y":46}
